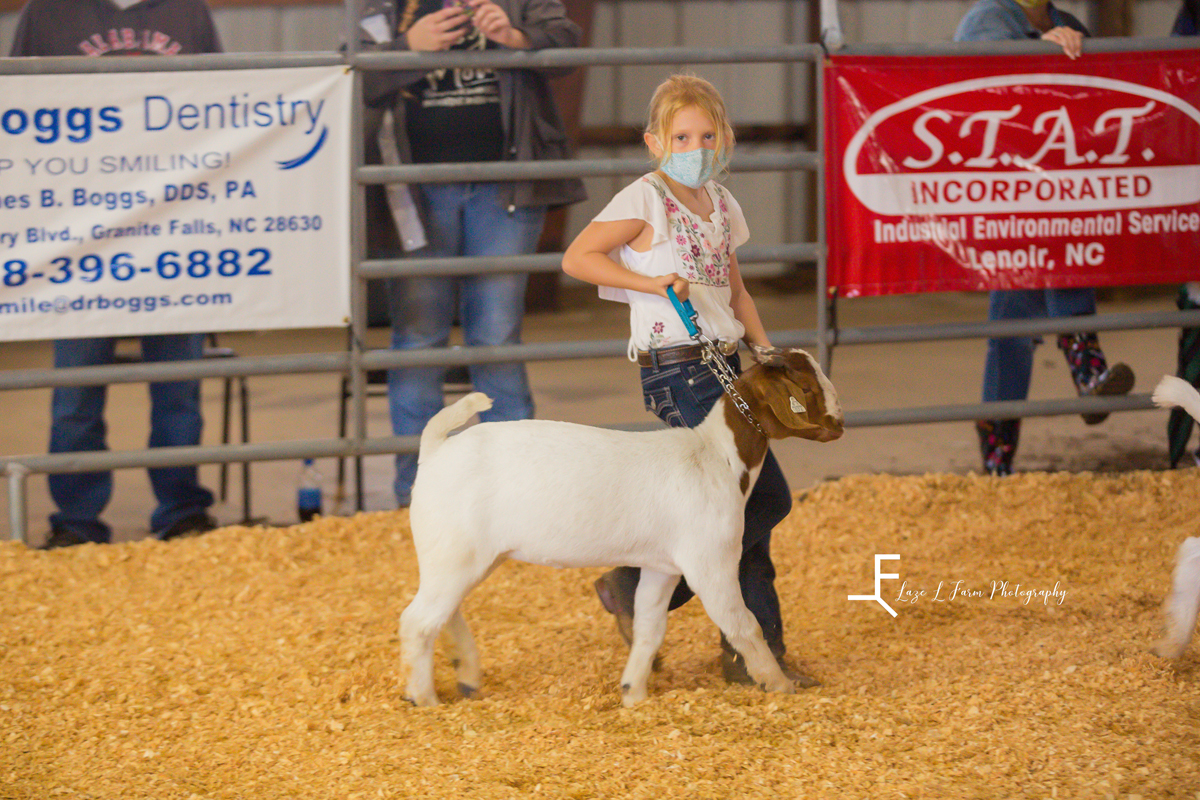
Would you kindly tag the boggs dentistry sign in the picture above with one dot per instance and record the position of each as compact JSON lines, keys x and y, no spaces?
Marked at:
{"x":971,"y":173}
{"x":174,"y":202}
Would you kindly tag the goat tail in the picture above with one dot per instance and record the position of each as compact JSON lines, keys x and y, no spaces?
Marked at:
{"x":1172,"y":391}
{"x":450,"y":418}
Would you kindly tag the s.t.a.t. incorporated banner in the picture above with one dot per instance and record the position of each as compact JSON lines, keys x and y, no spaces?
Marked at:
{"x":968,"y":173}
{"x":174,"y":202}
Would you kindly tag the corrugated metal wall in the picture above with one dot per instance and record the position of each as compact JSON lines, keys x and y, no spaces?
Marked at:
{"x":757,"y":94}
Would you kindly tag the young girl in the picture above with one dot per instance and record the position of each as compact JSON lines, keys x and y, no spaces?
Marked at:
{"x":677,"y":227}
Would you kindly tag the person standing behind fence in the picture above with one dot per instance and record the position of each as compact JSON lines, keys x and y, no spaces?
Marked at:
{"x":121,"y":28}
{"x":1009,"y":364}
{"x":467,"y":115}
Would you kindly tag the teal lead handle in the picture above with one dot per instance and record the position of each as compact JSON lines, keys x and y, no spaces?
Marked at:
{"x":686,"y":312}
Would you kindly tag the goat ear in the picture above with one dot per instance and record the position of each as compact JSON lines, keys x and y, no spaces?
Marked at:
{"x":800,"y":397}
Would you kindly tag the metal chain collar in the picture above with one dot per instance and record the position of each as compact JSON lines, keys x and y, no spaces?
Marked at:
{"x":712,"y":357}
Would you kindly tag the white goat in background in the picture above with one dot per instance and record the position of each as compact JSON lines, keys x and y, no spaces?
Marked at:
{"x":1183,"y":604}
{"x":671,"y":502}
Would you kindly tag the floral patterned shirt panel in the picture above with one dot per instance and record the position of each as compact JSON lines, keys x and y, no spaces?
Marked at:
{"x":653,"y":321}
{"x":685,"y":244}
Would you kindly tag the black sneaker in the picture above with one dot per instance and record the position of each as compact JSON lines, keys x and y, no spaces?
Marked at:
{"x":61,"y":537}
{"x":189,"y":526}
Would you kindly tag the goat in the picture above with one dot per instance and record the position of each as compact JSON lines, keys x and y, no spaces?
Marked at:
{"x":567,"y":495}
{"x":1183,"y":604}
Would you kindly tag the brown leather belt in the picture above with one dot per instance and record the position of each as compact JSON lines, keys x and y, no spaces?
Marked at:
{"x":676,"y":355}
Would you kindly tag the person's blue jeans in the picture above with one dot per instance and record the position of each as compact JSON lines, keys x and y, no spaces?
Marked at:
{"x":78,"y":425}
{"x":464,"y":219}
{"x":1009,"y":365}
{"x":681,"y":395}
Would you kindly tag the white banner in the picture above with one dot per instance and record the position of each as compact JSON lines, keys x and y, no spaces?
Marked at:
{"x":174,"y":202}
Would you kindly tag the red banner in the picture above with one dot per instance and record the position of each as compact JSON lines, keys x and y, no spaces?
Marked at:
{"x":972,"y":173}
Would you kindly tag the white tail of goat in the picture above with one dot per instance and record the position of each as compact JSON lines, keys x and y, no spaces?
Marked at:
{"x":449,"y":419}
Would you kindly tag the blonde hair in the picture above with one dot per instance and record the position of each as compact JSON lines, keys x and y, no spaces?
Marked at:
{"x":677,"y":93}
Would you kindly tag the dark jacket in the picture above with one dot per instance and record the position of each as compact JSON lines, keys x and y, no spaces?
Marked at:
{"x":998,"y":20}
{"x":100,"y":28}
{"x":533,"y":129}
{"x":1187,"y":23}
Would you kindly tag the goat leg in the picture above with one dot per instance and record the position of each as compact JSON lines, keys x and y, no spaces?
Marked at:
{"x":1183,"y":604}
{"x":650,"y":604}
{"x":722,"y":598}
{"x":466,"y":655}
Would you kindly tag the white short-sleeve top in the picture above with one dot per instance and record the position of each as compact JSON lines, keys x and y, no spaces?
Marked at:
{"x":683,"y":243}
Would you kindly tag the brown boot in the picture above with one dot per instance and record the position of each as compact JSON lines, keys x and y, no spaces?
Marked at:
{"x":1090,"y":371}
{"x":617,"y":599}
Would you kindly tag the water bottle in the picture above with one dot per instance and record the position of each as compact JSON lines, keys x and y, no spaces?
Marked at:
{"x":308,"y":494}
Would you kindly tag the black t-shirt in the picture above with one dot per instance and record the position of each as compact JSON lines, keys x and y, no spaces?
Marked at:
{"x":454,"y":114}
{"x":100,"y":28}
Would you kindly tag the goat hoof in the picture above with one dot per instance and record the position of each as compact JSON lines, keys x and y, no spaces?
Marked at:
{"x":1169,"y":648}
{"x":420,"y":702}
{"x":630,"y":696}
{"x":787,"y":687}
{"x":468,"y":691}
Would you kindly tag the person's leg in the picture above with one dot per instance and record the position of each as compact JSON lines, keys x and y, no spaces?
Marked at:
{"x":1006,"y":375}
{"x":1089,"y":369}
{"x":422,"y":312}
{"x":77,"y":425}
{"x":769,"y":503}
{"x":492,"y":307}
{"x":176,"y":421}
{"x":1009,"y":364}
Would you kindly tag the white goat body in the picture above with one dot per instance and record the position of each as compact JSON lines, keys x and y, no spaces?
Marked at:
{"x":565,"y":495}
{"x":1183,"y":604}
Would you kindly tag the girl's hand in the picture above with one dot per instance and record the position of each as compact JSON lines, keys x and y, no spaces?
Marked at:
{"x":495,"y":25}
{"x":439,"y":30}
{"x":680,"y":285}
{"x":1070,"y":39}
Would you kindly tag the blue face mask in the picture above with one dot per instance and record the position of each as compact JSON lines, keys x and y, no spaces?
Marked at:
{"x":693,"y":168}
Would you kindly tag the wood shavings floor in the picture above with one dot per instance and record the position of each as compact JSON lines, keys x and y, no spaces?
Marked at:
{"x":263,"y":663}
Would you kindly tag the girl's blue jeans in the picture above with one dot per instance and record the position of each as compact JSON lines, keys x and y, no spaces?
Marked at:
{"x":465,"y":219}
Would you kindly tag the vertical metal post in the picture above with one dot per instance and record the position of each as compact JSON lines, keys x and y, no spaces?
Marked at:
{"x":824,"y":342}
{"x":353,"y":10}
{"x":17,"y":517}
{"x":358,"y":252}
